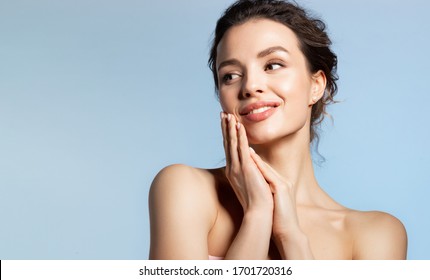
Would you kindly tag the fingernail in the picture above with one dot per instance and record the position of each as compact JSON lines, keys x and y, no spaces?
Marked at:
{"x":238,"y":125}
{"x":221,"y":115}
{"x":252,"y":150}
{"x":228,"y":117}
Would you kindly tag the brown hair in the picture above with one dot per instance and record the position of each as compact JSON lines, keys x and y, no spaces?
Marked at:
{"x":313,"y":39}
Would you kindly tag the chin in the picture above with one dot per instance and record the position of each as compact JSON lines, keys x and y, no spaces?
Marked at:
{"x":259,"y":137}
{"x":267,"y":135}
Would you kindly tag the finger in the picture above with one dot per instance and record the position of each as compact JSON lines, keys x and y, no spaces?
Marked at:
{"x":243,"y":145}
{"x":232,"y":140}
{"x":224,"y":127}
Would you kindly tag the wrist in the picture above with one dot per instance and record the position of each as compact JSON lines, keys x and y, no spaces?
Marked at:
{"x":259,"y":216}
{"x":259,"y":212}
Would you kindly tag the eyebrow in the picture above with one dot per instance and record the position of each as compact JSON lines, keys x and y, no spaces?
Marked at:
{"x":228,"y":62}
{"x":271,"y":50}
{"x":261,"y":54}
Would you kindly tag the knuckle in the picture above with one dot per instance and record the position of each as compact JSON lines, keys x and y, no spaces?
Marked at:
{"x":288,"y":185}
{"x":235,"y":171}
{"x":231,"y":172}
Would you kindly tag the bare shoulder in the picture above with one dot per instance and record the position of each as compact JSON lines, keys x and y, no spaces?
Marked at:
{"x":179,"y":180}
{"x":377,"y":235}
{"x":182,"y":207}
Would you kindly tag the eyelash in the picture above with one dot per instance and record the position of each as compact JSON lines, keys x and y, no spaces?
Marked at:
{"x":227,"y":77}
{"x":273,"y":63}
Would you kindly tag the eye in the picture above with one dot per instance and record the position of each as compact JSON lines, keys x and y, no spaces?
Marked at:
{"x":229,"y":77}
{"x":273,"y":66}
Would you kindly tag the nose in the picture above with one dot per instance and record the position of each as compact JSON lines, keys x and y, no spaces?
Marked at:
{"x":252,"y":84}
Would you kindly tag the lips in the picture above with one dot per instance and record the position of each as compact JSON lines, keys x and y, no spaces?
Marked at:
{"x":258,"y":107}
{"x":258,"y":111}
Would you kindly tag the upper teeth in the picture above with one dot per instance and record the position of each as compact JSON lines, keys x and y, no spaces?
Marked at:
{"x":260,"y":110}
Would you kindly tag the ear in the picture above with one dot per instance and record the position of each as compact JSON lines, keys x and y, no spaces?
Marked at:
{"x":319,"y":82}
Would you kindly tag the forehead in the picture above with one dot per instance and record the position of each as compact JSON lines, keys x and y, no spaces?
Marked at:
{"x":249,"y":38}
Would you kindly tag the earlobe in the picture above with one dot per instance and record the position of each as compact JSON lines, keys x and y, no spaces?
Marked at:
{"x":314,"y":99}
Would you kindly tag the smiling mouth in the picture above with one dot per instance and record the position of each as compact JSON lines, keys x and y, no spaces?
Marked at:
{"x":260,"y":110}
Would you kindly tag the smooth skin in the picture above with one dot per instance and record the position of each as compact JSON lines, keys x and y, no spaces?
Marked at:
{"x":265,"y":203}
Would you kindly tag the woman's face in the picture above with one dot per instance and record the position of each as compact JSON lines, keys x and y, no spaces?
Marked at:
{"x":264,"y":80}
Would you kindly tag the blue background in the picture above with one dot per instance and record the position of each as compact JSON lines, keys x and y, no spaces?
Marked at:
{"x":97,"y":96}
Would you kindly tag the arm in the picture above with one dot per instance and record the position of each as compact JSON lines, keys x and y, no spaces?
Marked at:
{"x":182,"y":212}
{"x":379,"y":236}
{"x":253,"y":238}
{"x":294,"y":246}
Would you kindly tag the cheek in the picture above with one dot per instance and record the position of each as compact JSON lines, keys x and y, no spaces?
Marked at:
{"x":227,"y":101}
{"x":224,"y":104}
{"x":295,"y":90}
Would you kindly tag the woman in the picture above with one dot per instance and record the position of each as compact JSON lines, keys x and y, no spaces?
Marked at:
{"x":275,"y":74}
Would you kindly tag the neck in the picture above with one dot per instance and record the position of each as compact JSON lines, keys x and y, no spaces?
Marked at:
{"x":291,"y":158}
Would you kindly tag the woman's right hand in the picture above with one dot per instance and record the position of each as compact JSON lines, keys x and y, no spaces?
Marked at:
{"x":246,"y":179}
